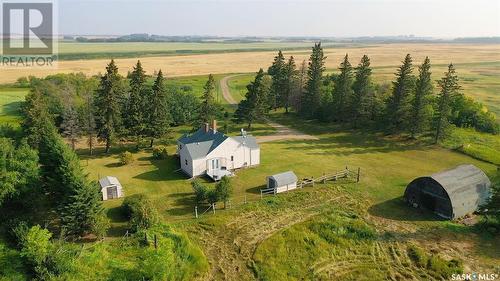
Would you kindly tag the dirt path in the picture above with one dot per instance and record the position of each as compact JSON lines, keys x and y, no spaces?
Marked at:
{"x":282,"y":132}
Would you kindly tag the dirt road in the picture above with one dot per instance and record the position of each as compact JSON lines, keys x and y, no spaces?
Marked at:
{"x":282,"y":132}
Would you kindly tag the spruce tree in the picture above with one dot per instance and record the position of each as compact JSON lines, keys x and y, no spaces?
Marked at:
{"x":449,"y":89}
{"x":254,"y":106}
{"x":398,"y":105}
{"x":34,"y":108}
{"x":289,"y":84}
{"x":159,"y":118}
{"x":278,"y":73}
{"x":363,"y":93}
{"x":311,"y":98}
{"x":135,"y":117}
{"x":420,"y":105}
{"x":70,"y":125}
{"x":107,"y":102}
{"x":342,"y":91}
{"x":208,"y":109}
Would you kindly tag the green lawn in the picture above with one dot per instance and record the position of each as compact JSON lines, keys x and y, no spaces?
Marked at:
{"x":10,"y":101}
{"x":238,"y":85}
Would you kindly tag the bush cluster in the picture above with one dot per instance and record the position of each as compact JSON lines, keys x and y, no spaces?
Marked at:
{"x":160,"y":152}
{"x":140,"y":211}
{"x":126,"y":158}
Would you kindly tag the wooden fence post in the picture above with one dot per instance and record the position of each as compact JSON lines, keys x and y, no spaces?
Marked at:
{"x":156,"y":242}
{"x":196,"y":211}
{"x":359,"y":170}
{"x":324,"y":178}
{"x":312,"y":178}
{"x":261,"y":194}
{"x":245,"y":198}
{"x":213,"y":207}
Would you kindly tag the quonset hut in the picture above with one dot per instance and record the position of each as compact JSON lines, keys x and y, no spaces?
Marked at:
{"x":450,"y":194}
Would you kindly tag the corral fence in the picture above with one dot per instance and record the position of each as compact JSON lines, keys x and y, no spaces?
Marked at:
{"x":344,"y":175}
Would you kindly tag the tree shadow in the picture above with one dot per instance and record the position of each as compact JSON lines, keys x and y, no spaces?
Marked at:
{"x":12,"y":108}
{"x":183,"y":204}
{"x":119,"y":221}
{"x":166,"y":170}
{"x":397,"y":209}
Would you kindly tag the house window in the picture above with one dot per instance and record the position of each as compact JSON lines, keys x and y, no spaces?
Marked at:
{"x":186,"y":161}
{"x":232,"y":158}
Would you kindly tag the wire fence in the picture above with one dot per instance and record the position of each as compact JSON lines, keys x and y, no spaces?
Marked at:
{"x":345,"y":175}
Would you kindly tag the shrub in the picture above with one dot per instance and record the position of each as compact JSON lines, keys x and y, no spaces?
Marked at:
{"x":140,"y":211}
{"x":35,"y":248}
{"x":200,"y":191}
{"x":160,"y":152}
{"x":212,"y":196}
{"x":126,"y":158}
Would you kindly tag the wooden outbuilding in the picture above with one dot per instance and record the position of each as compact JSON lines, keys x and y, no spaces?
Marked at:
{"x":110,"y":188}
{"x":282,"y":182}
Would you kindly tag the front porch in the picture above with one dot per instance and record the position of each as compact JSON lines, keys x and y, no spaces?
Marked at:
{"x":217,"y":168}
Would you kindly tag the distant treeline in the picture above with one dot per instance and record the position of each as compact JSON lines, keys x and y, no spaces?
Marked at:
{"x":144,"y":37}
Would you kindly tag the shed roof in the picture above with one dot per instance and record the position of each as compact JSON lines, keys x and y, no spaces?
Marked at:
{"x":467,"y":187}
{"x":108,"y":181}
{"x":285,"y":178}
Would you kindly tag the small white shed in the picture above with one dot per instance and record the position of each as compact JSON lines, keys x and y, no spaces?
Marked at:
{"x":110,"y":188}
{"x":282,"y":182}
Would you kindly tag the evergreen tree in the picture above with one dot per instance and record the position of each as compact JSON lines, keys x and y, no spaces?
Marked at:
{"x":342,"y":91}
{"x":89,"y":124}
{"x":107,"y":102}
{"x":34,"y":108}
{"x":135,"y":117}
{"x":398,"y":105}
{"x":278,"y":73}
{"x":449,"y":89}
{"x":158,"y":123}
{"x":254,"y":106}
{"x":420,"y":106}
{"x":299,"y":87}
{"x":70,"y":125}
{"x":289,"y":84}
{"x":208,"y":110}
{"x":363,"y":93}
{"x":19,"y":171}
{"x":312,"y":96}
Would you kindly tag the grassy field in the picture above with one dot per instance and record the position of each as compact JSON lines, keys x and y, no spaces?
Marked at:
{"x":10,"y":101}
{"x":77,"y":50}
{"x":230,"y":239}
{"x":202,"y":64}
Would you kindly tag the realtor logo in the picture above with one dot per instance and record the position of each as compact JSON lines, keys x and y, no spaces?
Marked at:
{"x":28,"y":33}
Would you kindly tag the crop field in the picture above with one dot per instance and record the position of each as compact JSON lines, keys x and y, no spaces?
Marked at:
{"x":244,"y":62}
{"x":78,"y":50}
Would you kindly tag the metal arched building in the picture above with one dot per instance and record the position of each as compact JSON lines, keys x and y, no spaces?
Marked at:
{"x":450,"y":194}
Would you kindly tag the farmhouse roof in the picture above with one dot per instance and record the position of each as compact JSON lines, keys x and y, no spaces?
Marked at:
{"x":248,"y":141}
{"x":202,"y":142}
{"x":285,"y":178}
{"x":109,"y":181}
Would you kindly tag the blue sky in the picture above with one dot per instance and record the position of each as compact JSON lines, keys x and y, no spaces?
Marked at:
{"x":347,"y":18}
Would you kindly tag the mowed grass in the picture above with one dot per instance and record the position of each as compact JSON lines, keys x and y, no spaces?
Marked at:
{"x":10,"y":102}
{"x":243,"y":62}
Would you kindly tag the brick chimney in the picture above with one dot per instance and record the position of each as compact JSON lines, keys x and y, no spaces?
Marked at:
{"x":214,"y":125}
{"x":205,"y":127}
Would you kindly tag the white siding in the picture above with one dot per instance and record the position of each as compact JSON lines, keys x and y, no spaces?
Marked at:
{"x":183,"y":156}
{"x":255,"y":153}
{"x":287,"y":187}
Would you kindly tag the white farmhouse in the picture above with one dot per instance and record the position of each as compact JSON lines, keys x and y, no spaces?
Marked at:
{"x":210,"y":152}
{"x":110,"y":188}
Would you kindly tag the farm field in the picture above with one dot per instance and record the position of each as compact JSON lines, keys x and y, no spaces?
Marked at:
{"x":243,"y":62}
{"x":91,"y":50}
